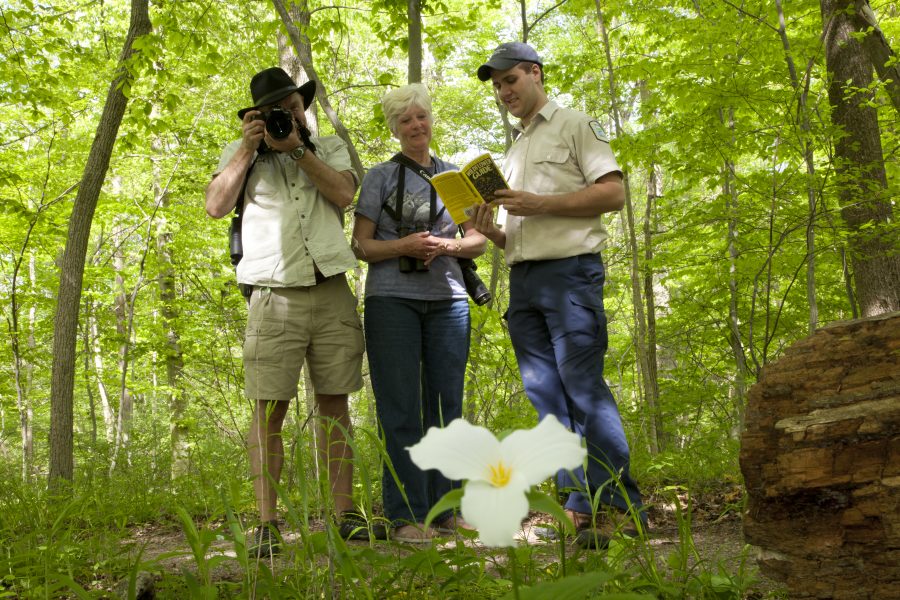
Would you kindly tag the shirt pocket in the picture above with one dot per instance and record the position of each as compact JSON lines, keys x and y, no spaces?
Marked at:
{"x":552,"y":154}
{"x":550,"y":164}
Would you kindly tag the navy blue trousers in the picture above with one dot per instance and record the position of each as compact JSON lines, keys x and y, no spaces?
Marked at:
{"x":558,"y":329}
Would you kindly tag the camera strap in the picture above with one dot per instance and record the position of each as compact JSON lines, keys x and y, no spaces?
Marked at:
{"x":405,"y":161}
{"x":235,"y":225}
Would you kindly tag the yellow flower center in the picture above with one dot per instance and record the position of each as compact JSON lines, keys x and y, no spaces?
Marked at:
{"x":500,"y":474}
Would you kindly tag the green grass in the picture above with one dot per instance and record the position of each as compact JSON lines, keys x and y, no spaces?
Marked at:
{"x":88,"y":545}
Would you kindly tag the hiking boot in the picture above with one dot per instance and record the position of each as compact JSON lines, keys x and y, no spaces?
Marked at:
{"x":353,"y":526}
{"x":596,"y":533}
{"x":591,"y":538}
{"x":265,"y":541}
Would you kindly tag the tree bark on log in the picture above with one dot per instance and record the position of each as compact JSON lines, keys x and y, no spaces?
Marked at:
{"x":820,"y":456}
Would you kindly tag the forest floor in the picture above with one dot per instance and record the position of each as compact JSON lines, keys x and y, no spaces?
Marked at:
{"x":715,"y":528}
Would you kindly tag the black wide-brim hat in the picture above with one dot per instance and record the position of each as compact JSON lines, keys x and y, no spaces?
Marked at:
{"x":272,"y":85}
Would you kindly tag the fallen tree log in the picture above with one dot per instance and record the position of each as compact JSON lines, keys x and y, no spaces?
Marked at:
{"x":820,"y":454}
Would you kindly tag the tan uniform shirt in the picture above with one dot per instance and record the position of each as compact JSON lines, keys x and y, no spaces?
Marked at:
{"x":288,"y":227}
{"x":561,"y":151}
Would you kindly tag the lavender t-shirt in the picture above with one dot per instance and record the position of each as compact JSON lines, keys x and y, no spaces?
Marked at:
{"x":377,"y":198}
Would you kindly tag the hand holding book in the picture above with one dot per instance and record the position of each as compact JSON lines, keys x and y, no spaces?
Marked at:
{"x":472,"y":185}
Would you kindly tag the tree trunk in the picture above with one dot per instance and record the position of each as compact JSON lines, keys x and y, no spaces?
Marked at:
{"x":177,"y":400}
{"x":290,"y":62}
{"x":95,"y":348}
{"x":802,"y":90}
{"x":23,"y":368}
{"x":646,"y":373}
{"x":124,"y":315}
{"x":65,"y":329}
{"x":86,"y":370}
{"x":861,"y":178}
{"x":414,"y":29}
{"x":880,"y":53}
{"x":304,"y":51}
{"x":650,"y":295}
{"x":729,"y":192}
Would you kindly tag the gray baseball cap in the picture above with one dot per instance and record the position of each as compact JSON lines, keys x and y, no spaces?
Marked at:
{"x":506,"y":56}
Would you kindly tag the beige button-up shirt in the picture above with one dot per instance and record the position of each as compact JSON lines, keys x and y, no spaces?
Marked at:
{"x":289,"y":228}
{"x":561,"y":151}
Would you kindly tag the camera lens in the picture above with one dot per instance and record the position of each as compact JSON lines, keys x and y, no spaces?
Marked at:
{"x":279,"y":123}
{"x":476,"y":289}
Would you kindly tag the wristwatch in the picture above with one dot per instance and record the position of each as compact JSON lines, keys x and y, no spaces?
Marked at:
{"x":298,"y":152}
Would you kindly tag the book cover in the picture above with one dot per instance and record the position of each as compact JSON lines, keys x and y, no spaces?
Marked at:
{"x":464,"y":189}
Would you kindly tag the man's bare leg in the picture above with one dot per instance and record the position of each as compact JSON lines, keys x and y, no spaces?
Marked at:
{"x":268,"y":418}
{"x":335,"y":453}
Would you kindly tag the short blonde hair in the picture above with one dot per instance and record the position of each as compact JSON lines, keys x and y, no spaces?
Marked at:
{"x":397,"y":101}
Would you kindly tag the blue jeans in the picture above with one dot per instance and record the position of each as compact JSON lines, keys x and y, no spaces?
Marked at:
{"x":557,"y":325}
{"x":417,"y":362}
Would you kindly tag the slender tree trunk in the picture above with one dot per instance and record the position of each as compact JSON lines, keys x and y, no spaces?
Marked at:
{"x":290,"y":62}
{"x":729,"y":192}
{"x":109,"y":417}
{"x":86,"y":369}
{"x":177,"y":400}
{"x":22,"y":404}
{"x":124,"y":315}
{"x":848,"y":284}
{"x":414,"y":30}
{"x":28,"y":446}
{"x":861,"y":178}
{"x":802,"y":91}
{"x":22,"y":367}
{"x":62,"y":464}
{"x":650,"y":296}
{"x":647,"y":372}
{"x":304,"y":51}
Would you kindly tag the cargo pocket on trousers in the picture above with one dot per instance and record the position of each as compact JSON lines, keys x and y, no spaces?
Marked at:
{"x":586,"y":324}
{"x":261,"y":341}
{"x":356,"y":340}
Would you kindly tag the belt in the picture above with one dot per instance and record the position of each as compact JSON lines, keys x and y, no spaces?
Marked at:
{"x":247,"y":289}
{"x":322,"y":279}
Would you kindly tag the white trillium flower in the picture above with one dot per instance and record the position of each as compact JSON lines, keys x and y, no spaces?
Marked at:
{"x":499,"y":473}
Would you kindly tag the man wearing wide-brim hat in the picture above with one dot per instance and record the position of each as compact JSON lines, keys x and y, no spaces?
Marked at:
{"x":293,"y":188}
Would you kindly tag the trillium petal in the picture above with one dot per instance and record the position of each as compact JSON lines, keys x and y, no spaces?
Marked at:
{"x":540,"y":452}
{"x":459,"y":451}
{"x":496,"y":512}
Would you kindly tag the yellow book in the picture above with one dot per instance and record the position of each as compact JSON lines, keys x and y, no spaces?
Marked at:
{"x":474,"y":184}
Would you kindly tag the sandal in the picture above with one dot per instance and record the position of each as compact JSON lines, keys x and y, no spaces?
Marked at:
{"x":451,"y":523}
{"x":412,"y":534}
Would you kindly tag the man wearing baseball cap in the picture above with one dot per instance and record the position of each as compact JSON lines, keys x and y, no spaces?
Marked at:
{"x":563,"y":178}
{"x":294,"y":188}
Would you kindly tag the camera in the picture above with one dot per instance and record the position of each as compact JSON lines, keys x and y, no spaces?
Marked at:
{"x":409,"y":264}
{"x":476,"y":289}
{"x":279,"y":122}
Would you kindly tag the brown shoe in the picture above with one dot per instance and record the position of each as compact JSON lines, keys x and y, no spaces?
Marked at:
{"x":588,"y":533}
{"x":412,"y":534}
{"x":596,"y":532}
{"x":451,"y":523}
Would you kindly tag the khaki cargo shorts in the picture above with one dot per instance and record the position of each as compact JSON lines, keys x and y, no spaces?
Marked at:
{"x":286,"y":327}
